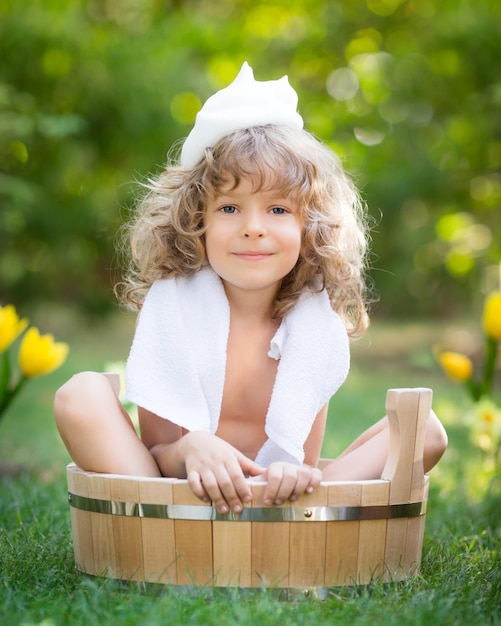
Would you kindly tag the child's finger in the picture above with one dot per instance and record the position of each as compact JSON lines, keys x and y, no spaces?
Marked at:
{"x":220,"y":487}
{"x":230,"y":499}
{"x":309,"y":478}
{"x":196,"y":486}
{"x":239,"y":490}
{"x":281,"y":482}
{"x":303,"y":483}
{"x":287,"y":481}
{"x":315,"y":479}
{"x":250,"y":467}
{"x":212,"y":488}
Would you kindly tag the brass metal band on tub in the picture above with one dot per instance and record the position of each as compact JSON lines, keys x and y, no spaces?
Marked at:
{"x":249,"y":514}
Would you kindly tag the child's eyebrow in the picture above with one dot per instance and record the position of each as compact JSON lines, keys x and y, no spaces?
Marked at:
{"x":224,"y":197}
{"x":272,"y":194}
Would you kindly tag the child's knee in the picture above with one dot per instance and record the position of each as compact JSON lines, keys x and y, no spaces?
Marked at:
{"x":75,"y":396}
{"x":435,"y":443}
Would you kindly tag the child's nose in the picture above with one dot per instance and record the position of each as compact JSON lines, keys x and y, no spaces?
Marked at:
{"x":253,"y":225}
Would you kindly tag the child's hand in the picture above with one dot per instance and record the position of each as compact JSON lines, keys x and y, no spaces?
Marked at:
{"x":217,"y":471}
{"x":288,"y":482}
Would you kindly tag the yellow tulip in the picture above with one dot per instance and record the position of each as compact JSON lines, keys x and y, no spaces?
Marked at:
{"x":456,"y":365}
{"x":40,"y":354}
{"x":492,"y":315}
{"x":11,"y":326}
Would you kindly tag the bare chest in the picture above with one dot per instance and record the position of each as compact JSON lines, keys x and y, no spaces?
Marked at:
{"x":250,"y":377}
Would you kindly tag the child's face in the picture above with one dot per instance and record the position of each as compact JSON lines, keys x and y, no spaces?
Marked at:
{"x":253,"y":239}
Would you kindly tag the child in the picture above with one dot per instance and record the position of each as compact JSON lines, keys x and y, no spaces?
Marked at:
{"x":247,"y":268}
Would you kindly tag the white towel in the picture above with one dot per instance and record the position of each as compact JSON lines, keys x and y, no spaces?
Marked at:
{"x":177,"y":362}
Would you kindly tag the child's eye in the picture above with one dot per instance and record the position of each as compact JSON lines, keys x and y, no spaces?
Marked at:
{"x":228,"y":208}
{"x":278,"y":210}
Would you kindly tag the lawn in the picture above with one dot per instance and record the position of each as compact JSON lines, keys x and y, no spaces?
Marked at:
{"x":459,"y":582}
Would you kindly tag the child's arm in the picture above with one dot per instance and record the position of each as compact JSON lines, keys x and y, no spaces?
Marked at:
{"x":214,"y":469}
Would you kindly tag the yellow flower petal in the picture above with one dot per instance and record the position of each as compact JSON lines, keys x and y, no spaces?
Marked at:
{"x":487,"y":423}
{"x":40,"y":354}
{"x":11,"y":326}
{"x":457,"y":366}
{"x":492,"y":315}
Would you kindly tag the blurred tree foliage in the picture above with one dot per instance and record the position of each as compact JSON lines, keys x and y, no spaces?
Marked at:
{"x":93,"y":93}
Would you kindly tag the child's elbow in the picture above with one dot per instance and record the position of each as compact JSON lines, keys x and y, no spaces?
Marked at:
{"x":435,"y":442}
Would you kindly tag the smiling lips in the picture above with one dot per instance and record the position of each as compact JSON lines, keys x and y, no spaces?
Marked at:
{"x":250,"y":255}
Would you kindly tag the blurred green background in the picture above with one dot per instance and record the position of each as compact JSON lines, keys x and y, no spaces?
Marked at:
{"x":94,"y":92}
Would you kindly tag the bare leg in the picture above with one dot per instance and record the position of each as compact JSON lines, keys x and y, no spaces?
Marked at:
{"x":366,"y":457}
{"x":96,"y":429}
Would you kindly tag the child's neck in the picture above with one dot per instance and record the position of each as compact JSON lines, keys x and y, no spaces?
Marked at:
{"x":254,"y":306}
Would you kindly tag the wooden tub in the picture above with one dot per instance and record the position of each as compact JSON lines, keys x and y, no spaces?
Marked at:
{"x":155,"y":530}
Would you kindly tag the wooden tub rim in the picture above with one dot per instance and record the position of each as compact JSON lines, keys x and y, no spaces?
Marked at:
{"x":207,"y":512}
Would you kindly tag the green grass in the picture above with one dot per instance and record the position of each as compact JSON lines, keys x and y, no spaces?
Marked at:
{"x":459,"y":582}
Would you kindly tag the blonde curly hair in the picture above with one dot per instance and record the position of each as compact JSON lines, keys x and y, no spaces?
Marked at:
{"x":167,"y":235}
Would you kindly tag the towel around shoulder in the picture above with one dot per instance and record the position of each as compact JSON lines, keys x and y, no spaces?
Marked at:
{"x":176,"y":366}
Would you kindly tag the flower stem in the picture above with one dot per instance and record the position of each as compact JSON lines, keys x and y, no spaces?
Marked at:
{"x":490,"y":366}
{"x":9,"y":395}
{"x":4,"y":377}
{"x":474,"y":389}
